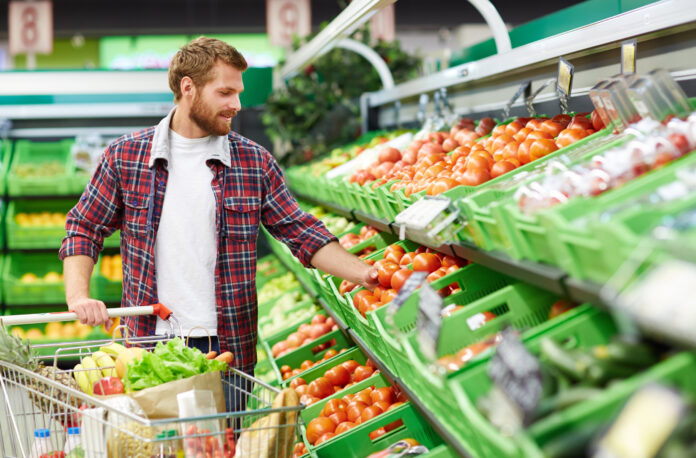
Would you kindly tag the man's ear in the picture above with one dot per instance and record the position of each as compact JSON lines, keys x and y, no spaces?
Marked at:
{"x":188,"y":89}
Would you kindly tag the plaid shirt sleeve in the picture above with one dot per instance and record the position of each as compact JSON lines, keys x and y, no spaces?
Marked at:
{"x":96,"y":215}
{"x":301,"y":232}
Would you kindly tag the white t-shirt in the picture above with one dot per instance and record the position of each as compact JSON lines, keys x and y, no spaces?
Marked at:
{"x":186,"y":242}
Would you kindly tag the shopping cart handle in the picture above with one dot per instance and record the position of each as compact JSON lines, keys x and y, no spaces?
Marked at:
{"x":34,"y":318}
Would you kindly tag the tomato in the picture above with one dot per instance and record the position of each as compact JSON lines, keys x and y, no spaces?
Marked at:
{"x":343,"y":427}
{"x":485,"y":126}
{"x":562,"y":119}
{"x":385,"y":270}
{"x":346,"y":287}
{"x":361,"y":373}
{"x":368,"y":303}
{"x":350,"y":365}
{"x":359,"y":295}
{"x":580,"y":122}
{"x":399,"y":278}
{"x":426,"y":262}
{"x":330,"y":354}
{"x":320,"y":388}
{"x":560,"y":307}
{"x":539,"y":134}
{"x":521,"y":135}
{"x":501,"y":167}
{"x":569,"y":136}
{"x":301,"y":389}
{"x":297,"y":382}
{"x":388,"y":296}
{"x":385,"y":394}
{"x":389,"y":154}
{"x":442,"y":185}
{"x":393,"y":425}
{"x":534,"y":123}
{"x":541,"y":148}
{"x":395,"y":405}
{"x":394,"y":253}
{"x":306,"y":364}
{"x":407,"y":259}
{"x":436,"y":275}
{"x":338,"y":417}
{"x":510,"y":150}
{"x":324,"y":438}
{"x":378,"y":291}
{"x":513,"y":127}
{"x":523,"y":151}
{"x":337,"y":376}
{"x":285,"y":368}
{"x":477,"y":162}
{"x":370,"y":412}
{"x":597,"y":122}
{"x":551,"y":127}
{"x":354,"y":410}
{"x":374,"y":435}
{"x":309,"y":400}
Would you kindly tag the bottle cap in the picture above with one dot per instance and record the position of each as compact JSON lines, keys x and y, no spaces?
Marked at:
{"x":172,"y":433}
{"x":74,"y":430}
{"x":42,"y":432}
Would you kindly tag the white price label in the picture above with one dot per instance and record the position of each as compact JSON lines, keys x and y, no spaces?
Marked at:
{"x":628,"y":56}
{"x":31,"y":27}
{"x":287,"y":18}
{"x":422,"y":213}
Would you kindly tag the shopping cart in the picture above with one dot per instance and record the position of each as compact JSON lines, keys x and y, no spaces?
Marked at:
{"x":113,"y":427}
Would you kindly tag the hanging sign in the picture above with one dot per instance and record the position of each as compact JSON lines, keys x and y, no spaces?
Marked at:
{"x":287,"y":18}
{"x":31,"y":27}
{"x":524,"y":88}
{"x":564,"y":82}
{"x":628,"y":56}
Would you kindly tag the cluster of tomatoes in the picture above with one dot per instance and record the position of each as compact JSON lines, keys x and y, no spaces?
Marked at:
{"x":341,"y":415}
{"x":349,"y":240}
{"x":305,"y":334}
{"x":393,"y":271}
{"x":208,"y":445}
{"x":341,"y":376}
{"x":286,"y":371}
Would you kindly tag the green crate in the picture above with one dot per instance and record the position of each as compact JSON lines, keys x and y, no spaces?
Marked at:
{"x":42,"y":235}
{"x":519,"y":305}
{"x":5,"y":162}
{"x":475,"y":281}
{"x":482,"y":209}
{"x":38,"y":155}
{"x":102,"y":288}
{"x":96,"y":333}
{"x":575,"y":244}
{"x":387,"y":201}
{"x":318,"y":370}
{"x":356,"y":442}
{"x":35,"y":292}
{"x":3,"y":220}
{"x":113,"y":241}
{"x":308,"y":306}
{"x":589,"y":329}
{"x":295,"y":358}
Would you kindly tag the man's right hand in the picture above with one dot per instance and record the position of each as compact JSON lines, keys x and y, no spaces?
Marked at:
{"x":90,"y":311}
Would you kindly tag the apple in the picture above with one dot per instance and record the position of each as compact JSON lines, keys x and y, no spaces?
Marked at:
{"x":107,"y":386}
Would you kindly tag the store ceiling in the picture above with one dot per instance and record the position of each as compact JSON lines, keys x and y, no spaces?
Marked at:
{"x":146,"y":17}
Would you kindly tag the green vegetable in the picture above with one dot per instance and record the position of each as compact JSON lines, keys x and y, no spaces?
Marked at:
{"x":629,"y":353}
{"x":77,"y":452}
{"x":173,"y":361}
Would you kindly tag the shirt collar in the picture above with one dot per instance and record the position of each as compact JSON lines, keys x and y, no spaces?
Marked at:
{"x":220,"y":147}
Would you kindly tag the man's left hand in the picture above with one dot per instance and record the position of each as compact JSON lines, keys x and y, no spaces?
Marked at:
{"x":371,"y":281}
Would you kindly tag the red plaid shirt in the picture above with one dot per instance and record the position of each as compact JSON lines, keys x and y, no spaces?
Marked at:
{"x":125,"y":193}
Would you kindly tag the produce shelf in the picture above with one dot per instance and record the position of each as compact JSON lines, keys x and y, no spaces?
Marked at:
{"x":584,"y":291}
{"x":380,"y":224}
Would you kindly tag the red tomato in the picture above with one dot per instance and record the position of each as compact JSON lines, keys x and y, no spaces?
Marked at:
{"x":331,"y":353}
{"x":441,"y":185}
{"x":361,"y":373}
{"x":395,"y":405}
{"x":338,"y":417}
{"x":597,"y":122}
{"x":569,"y":136}
{"x":534,"y":123}
{"x":562,"y":119}
{"x":354,"y":411}
{"x":523,"y":151}
{"x":407,"y":259}
{"x":399,"y":278}
{"x":426,"y":262}
{"x":551,"y":127}
{"x":521,"y":135}
{"x":324,"y":438}
{"x":377,"y":433}
{"x":394,"y":253}
{"x":541,"y":148}
{"x":320,"y":388}
{"x":301,"y":390}
{"x":350,"y":365}
{"x":285,"y":368}
{"x":306,"y":364}
{"x":538,"y":134}
{"x":388,"y":154}
{"x":364,"y":396}
{"x":343,"y":427}
{"x":370,"y":412}
{"x":388,"y":296}
{"x":385,"y":394}
{"x":513,"y":127}
{"x":359,"y":295}
{"x":338,"y":376}
{"x":317,"y":427}
{"x":560,"y":307}
{"x":436,"y":275}
{"x":297,"y":382}
{"x":581,"y":122}
{"x":393,"y":425}
{"x":346,"y":287}
{"x":501,"y":167}
{"x":385,"y":270}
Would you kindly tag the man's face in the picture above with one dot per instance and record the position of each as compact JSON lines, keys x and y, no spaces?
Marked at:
{"x":217,"y":102}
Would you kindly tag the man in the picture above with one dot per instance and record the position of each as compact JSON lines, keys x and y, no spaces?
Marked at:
{"x":188,"y":196}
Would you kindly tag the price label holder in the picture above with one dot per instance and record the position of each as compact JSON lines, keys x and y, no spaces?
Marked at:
{"x":564,"y":82}
{"x":529,"y":101}
{"x":422,"y":106}
{"x":525,"y":88}
{"x":518,"y":381}
{"x":628,"y":56}
{"x":450,"y":114}
{"x":645,"y":423}
{"x":411,"y":284}
{"x":425,"y":220}
{"x":429,"y":321}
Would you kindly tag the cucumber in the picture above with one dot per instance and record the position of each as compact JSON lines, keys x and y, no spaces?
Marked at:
{"x":628,"y":353}
{"x":564,"y":360}
{"x":600,"y":371}
{"x":574,"y":395}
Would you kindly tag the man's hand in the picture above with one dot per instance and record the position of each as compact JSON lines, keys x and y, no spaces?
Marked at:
{"x":90,"y":311}
{"x":370,"y":282}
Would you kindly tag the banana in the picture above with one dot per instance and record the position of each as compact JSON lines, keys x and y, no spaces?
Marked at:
{"x":82,"y":379}
{"x":105,"y":362}
{"x":113,"y":349}
{"x":93,"y":372}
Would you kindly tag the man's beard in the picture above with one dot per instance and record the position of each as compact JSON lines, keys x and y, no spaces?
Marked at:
{"x":207,"y":120}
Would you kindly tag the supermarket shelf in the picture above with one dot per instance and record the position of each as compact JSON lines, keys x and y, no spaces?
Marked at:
{"x":331,"y":313}
{"x":541,"y":275}
{"x":380,"y":224}
{"x":584,"y":291}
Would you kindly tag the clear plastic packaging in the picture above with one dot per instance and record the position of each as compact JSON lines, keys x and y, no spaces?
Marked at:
{"x":72,"y":439}
{"x":42,"y":443}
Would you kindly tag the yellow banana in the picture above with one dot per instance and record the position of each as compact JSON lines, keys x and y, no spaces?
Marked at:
{"x":82,"y":379}
{"x":105,"y":362}
{"x":93,"y":372}
{"x":113,"y":349}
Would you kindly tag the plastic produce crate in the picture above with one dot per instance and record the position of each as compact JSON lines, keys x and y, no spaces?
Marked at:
{"x":28,"y":174}
{"x":103,"y":288}
{"x":587,"y":330}
{"x":318,"y":370}
{"x":475,"y":281}
{"x":36,"y":291}
{"x":6,"y":147}
{"x":575,"y":244}
{"x":44,"y":231}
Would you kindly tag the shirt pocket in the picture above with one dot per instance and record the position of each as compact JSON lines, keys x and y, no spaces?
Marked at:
{"x":242,"y":217}
{"x":135,"y":213}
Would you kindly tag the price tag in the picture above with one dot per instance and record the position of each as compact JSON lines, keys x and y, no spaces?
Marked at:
{"x":628,"y":56}
{"x":530,"y":99}
{"x":525,"y":88}
{"x":517,"y":375}
{"x":644,"y":424}
{"x":429,"y":320}
{"x":411,"y":284}
{"x":564,"y":82}
{"x":418,"y":216}
{"x":662,"y":301}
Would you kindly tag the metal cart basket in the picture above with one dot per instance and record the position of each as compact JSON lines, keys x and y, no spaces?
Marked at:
{"x":40,"y":400}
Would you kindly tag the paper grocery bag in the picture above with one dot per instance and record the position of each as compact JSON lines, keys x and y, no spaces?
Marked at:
{"x":160,"y":401}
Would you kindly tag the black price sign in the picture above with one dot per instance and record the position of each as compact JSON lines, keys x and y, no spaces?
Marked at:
{"x":564,"y":82}
{"x":517,"y":374}
{"x":411,"y":284}
{"x":429,"y":320}
{"x":524,"y":88}
{"x":628,"y":56}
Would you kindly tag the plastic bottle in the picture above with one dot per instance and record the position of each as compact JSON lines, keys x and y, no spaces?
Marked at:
{"x":73,"y":440}
{"x":165,"y":447}
{"x":42,"y":443}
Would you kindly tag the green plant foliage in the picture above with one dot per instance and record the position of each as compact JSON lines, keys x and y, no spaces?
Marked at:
{"x":318,"y":109}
